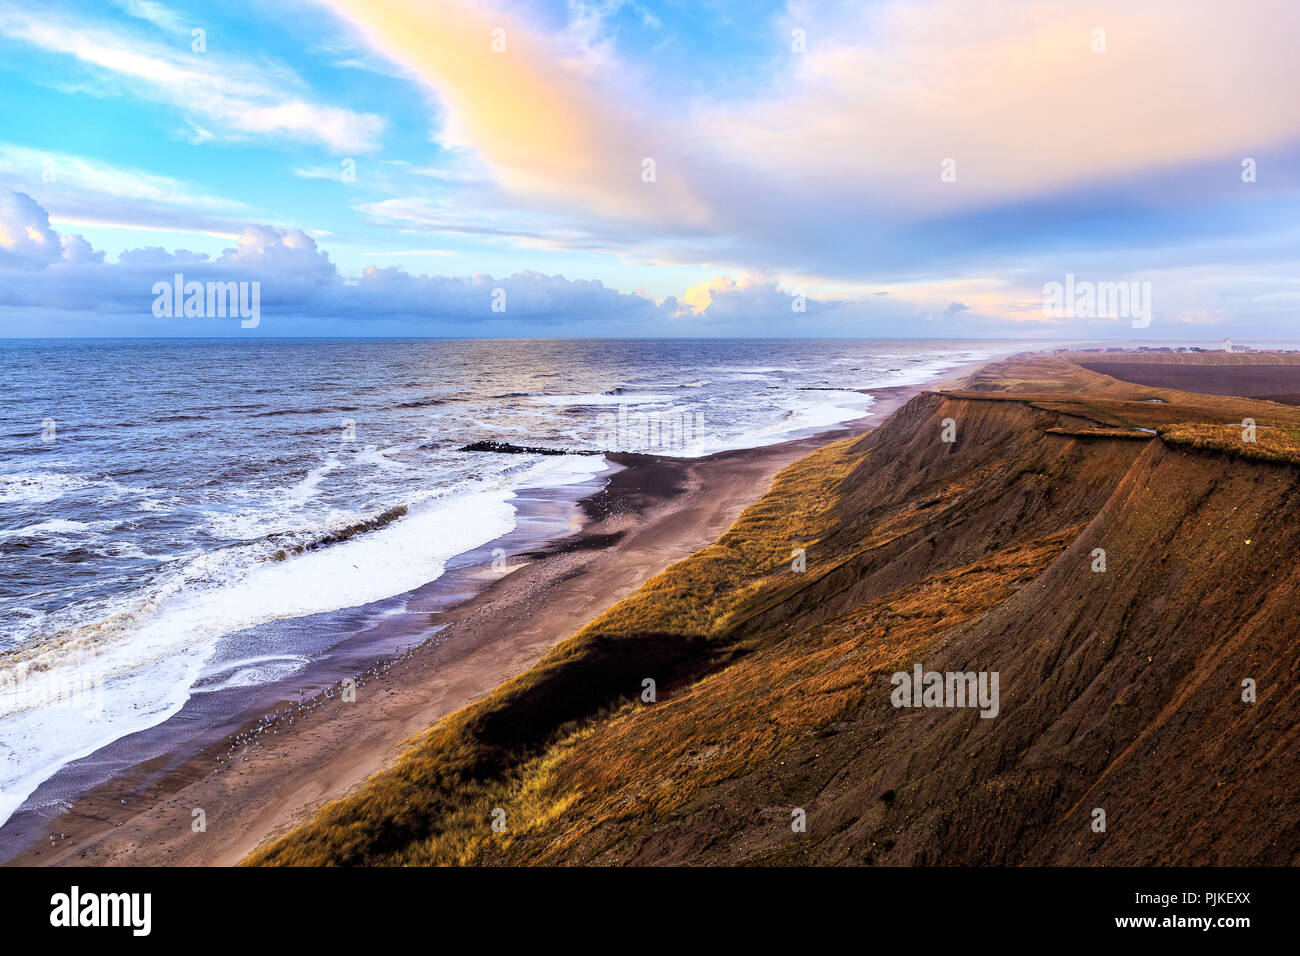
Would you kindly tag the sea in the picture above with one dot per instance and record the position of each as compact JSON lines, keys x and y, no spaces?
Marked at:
{"x":185,"y":517}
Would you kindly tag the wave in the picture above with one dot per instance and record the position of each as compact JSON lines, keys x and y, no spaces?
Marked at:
{"x":341,"y":534}
{"x":44,"y":487}
{"x":135,"y":666}
{"x":39,"y":487}
{"x":250,"y":672}
{"x":57,"y":526}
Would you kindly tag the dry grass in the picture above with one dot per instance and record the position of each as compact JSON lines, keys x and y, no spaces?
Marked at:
{"x":648,"y":761}
{"x":1274,"y":445}
{"x":1184,"y":418}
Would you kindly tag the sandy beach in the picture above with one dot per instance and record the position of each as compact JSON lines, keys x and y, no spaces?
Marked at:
{"x":266,"y":778}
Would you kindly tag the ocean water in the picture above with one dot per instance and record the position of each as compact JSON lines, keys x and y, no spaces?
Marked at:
{"x":147,"y":488}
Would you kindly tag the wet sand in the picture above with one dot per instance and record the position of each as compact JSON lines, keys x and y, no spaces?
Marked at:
{"x":277,"y":768}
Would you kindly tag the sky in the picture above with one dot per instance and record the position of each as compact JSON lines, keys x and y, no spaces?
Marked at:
{"x":900,"y":168}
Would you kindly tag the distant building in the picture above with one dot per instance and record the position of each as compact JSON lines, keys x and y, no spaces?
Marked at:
{"x":1227,"y":345}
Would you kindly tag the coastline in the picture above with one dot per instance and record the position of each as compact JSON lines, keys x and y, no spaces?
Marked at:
{"x":651,"y":513}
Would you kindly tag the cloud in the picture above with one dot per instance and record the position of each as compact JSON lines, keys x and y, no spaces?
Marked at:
{"x":26,"y":238}
{"x":724,"y":299}
{"x":830,"y":163}
{"x":760,"y":305}
{"x":318,"y":172}
{"x":1017,"y":95}
{"x":539,"y":299}
{"x":52,"y":284}
{"x":551,"y":128}
{"x":155,"y":13}
{"x":280,"y":253}
{"x":41,"y":271}
{"x":83,"y":176}
{"x":82,"y":192}
{"x":836,"y":165}
{"x":488,"y":217}
{"x":219,"y":95}
{"x":76,"y":250}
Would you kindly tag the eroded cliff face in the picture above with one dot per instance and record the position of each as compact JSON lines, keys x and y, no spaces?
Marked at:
{"x":1130,"y":596}
{"x":1120,"y":690}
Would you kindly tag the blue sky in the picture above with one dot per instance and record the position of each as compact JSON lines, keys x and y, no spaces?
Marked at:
{"x":896,"y":168}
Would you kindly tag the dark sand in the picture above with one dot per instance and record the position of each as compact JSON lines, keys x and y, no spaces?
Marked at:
{"x":1274,"y":383}
{"x":275,"y":770}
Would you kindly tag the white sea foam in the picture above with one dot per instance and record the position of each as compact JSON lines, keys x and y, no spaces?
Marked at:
{"x":58,"y":526}
{"x":39,"y":487}
{"x":805,"y":411}
{"x":250,"y":671}
{"x":310,"y":486}
{"x":138,"y":666}
{"x":44,"y":487}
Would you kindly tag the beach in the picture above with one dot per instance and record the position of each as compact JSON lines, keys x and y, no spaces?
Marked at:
{"x":281,"y":764}
{"x":1104,"y":566}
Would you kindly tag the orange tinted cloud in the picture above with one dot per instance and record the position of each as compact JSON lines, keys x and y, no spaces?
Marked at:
{"x":549,"y":127}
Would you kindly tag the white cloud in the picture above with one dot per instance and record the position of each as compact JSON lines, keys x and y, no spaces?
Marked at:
{"x":26,"y":238}
{"x":217,"y":93}
{"x":155,"y":13}
{"x":831,"y":163}
{"x":68,"y":173}
{"x":40,"y":271}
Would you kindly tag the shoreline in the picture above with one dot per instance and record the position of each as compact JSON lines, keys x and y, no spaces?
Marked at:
{"x":651,"y":512}
{"x":353,"y":642}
